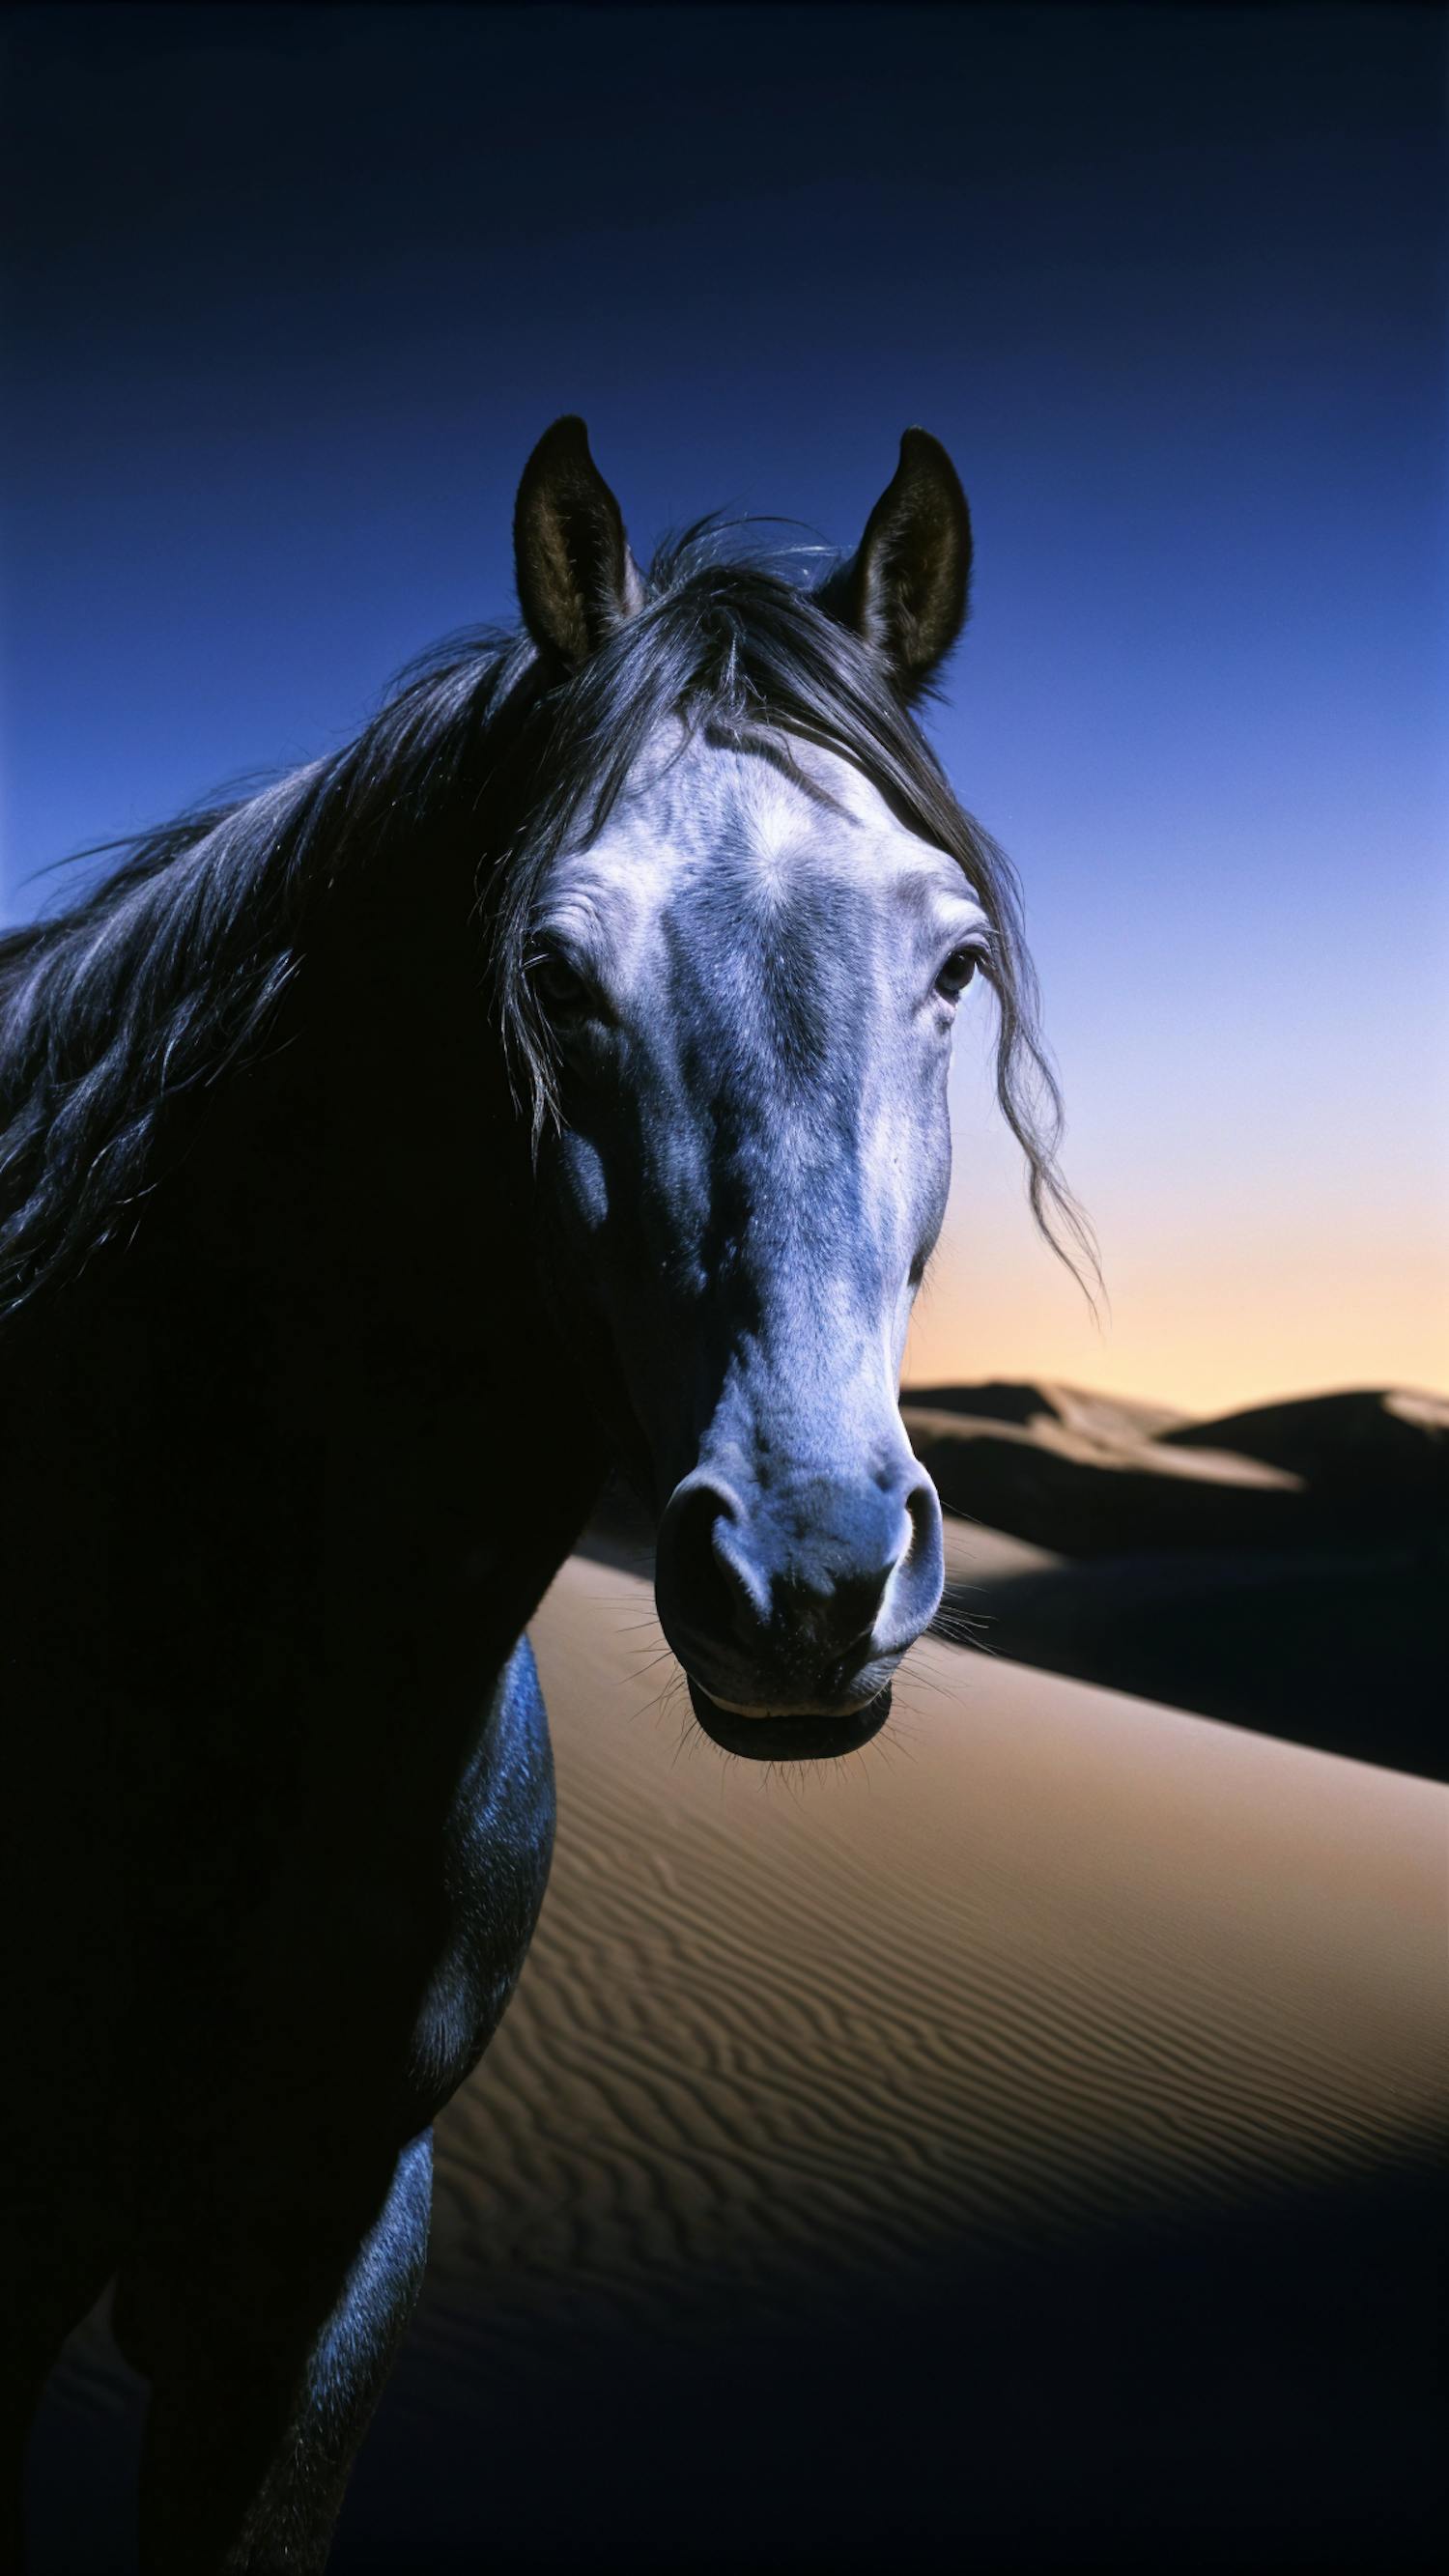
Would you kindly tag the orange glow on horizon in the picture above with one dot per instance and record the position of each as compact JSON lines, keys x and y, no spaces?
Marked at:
{"x":1211,"y":1305}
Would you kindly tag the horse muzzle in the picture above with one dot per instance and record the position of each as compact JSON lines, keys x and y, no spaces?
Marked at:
{"x":791,"y":1616}
{"x":814,"y":1737}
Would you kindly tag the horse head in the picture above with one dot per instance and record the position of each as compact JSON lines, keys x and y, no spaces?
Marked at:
{"x":747,"y":971}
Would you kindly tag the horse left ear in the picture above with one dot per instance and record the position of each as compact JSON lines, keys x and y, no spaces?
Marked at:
{"x":577,"y":579}
{"x":905,"y":588}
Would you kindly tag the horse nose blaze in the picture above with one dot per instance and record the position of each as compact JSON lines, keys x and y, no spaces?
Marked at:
{"x":803,"y":1602}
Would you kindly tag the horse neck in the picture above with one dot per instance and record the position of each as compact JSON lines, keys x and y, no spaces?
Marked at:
{"x":425,"y":1272}
{"x":340,"y":1386}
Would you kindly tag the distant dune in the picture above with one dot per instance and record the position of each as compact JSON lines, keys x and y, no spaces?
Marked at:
{"x":1284,"y":1568}
{"x":1091,"y":1476}
{"x":1015,"y":2146}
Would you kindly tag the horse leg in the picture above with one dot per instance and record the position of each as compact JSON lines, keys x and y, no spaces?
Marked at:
{"x":244,"y":2475}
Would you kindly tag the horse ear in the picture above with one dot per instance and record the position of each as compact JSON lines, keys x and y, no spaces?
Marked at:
{"x":577,"y":580}
{"x":905,"y":588}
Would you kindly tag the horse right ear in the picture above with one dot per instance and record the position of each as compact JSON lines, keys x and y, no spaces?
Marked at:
{"x":577,"y":580}
{"x":904,"y":590}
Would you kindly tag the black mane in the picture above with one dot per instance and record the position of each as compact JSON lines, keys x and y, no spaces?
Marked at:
{"x":170,"y":972}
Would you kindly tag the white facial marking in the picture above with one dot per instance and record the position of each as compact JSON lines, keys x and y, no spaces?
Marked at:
{"x":604,"y":903}
{"x":799,"y":838}
{"x":750,"y":1171}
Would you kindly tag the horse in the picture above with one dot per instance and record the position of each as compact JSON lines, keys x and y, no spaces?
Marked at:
{"x":552,"y":1082}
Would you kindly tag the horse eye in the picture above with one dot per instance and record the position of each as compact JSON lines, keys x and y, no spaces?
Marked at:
{"x":562,"y":992}
{"x":957,"y":972}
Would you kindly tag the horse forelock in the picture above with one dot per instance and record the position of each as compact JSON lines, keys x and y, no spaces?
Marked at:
{"x":171,"y":971}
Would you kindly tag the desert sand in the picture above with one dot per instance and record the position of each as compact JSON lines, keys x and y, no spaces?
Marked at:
{"x":1284,"y":1568}
{"x":1041,"y":1957}
{"x":1000,"y":2070}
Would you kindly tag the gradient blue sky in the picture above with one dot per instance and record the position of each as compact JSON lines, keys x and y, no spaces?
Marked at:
{"x":291,"y":292}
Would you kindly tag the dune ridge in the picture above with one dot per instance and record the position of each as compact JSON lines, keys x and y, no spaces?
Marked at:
{"x":1048,"y":1962}
{"x":1016,"y":2145}
{"x":1292,"y":1580}
{"x":1094,"y":1476}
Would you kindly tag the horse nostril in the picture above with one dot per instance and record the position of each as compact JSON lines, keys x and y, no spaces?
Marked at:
{"x":923,"y":1510}
{"x":700,"y":1582}
{"x":749,"y":1595}
{"x":912,"y":1596}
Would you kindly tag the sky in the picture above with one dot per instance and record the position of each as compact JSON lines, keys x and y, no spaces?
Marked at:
{"x":289,"y":293}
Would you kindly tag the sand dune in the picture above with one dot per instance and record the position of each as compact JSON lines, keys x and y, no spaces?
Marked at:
{"x":1092,"y":1475}
{"x":1282,"y":1568}
{"x":915,"y":2102}
{"x":1049,"y":1957}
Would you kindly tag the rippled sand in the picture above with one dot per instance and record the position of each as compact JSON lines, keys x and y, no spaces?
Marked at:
{"x":1040,"y":1958}
{"x":1009,"y":2056}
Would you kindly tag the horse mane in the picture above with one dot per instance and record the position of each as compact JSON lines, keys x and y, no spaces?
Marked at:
{"x":170,"y":972}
